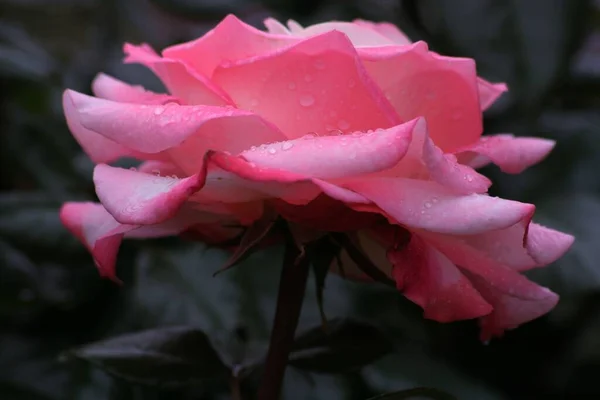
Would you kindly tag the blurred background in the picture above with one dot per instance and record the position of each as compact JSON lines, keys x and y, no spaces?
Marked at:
{"x":52,"y":299}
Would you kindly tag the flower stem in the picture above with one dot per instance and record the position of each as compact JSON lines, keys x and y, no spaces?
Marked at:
{"x":292,"y":286}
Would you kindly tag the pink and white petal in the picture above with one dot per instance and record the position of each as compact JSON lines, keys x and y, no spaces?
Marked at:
{"x":109,"y":88}
{"x":236,"y":173}
{"x":317,"y":85}
{"x":427,"y":205}
{"x":429,"y":279}
{"x":275,"y":27}
{"x":102,"y":234}
{"x":512,"y":154}
{"x":546,"y":245}
{"x":515,"y":299}
{"x":330,"y":157}
{"x":386,"y":29}
{"x":98,"y":147}
{"x":521,"y":247}
{"x":420,"y":83}
{"x":154,"y":129}
{"x":137,"y":198}
{"x":230,"y":41}
{"x":513,"y":307}
{"x":445,"y":170}
{"x":181,"y":81}
{"x":161,"y":168}
{"x":361,"y":35}
{"x":489,"y":92}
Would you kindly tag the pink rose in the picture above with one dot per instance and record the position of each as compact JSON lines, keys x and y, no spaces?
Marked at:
{"x":340,"y":127}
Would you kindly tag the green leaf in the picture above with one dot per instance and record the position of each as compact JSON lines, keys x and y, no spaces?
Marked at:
{"x":361,"y":259}
{"x":321,"y":254}
{"x":420,"y":393}
{"x":345,"y":345}
{"x":171,"y":357}
{"x":251,"y":238}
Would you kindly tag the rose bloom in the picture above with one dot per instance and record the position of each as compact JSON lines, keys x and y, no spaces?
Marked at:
{"x":340,"y":127}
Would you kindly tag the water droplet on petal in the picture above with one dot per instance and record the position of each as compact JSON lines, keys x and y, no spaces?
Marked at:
{"x":133,"y":169}
{"x":287,"y":145}
{"x":156,"y":172}
{"x":427,"y":204}
{"x":159,"y":110}
{"x":434,"y":200}
{"x":272,"y":150}
{"x":343,"y":124}
{"x":307,"y":100}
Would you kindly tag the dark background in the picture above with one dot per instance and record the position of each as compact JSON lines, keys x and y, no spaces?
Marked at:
{"x":52,"y":299}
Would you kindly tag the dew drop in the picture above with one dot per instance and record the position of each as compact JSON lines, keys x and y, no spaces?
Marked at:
{"x":133,"y":169}
{"x":292,"y":86}
{"x":159,"y":110}
{"x":272,"y":150}
{"x":427,"y":204}
{"x":343,"y":124}
{"x":156,"y":172}
{"x":307,"y":100}
{"x":434,"y":200}
{"x":319,"y":64}
{"x":287,"y":145}
{"x":469,"y":178}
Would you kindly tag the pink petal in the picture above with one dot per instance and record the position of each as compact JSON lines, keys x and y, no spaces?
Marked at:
{"x":489,"y":92}
{"x":231,"y":40}
{"x":154,"y":129}
{"x":429,"y":279}
{"x":427,"y":205}
{"x":386,"y":29}
{"x":522,"y":246}
{"x":515,"y":299}
{"x":513,"y":155}
{"x":317,"y":85}
{"x":102,"y":235}
{"x":275,"y":27}
{"x":109,"y":88}
{"x":331,"y":157}
{"x":361,"y":35}
{"x":232,"y":172}
{"x":420,"y":83}
{"x":99,"y":148}
{"x":182,"y":81}
{"x":137,"y":198}
{"x":161,"y":168}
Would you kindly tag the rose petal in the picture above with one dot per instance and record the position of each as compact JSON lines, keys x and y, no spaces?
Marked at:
{"x":99,"y":148}
{"x":275,"y":27}
{"x":331,"y":157}
{"x":180,"y":80}
{"x":153,"y":129}
{"x":317,"y":85}
{"x":428,"y":205}
{"x":161,"y":168}
{"x":429,"y":279}
{"x":515,"y":299}
{"x":137,"y":198}
{"x":418,"y":83}
{"x":386,"y":29}
{"x":231,"y":40}
{"x":102,"y":235}
{"x":360,"y":34}
{"x":445,"y":170}
{"x":512,"y":154}
{"x":109,"y":88}
{"x":489,"y":92}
